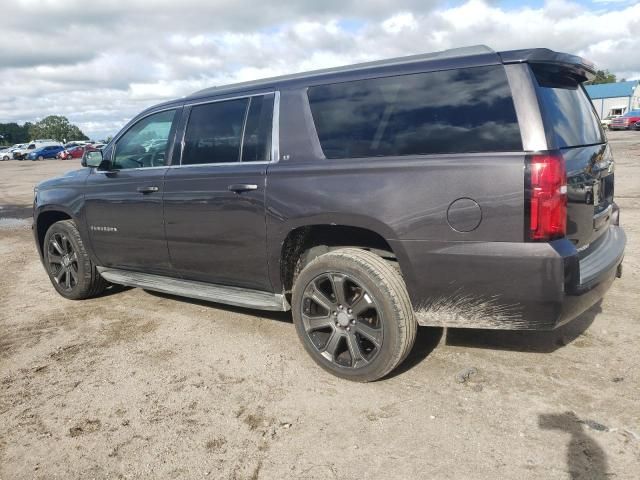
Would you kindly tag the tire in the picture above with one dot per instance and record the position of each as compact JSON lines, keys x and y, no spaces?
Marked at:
{"x":363,"y":343}
{"x":40,"y":157}
{"x":71,"y":271}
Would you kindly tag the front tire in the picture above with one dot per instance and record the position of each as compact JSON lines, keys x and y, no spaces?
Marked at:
{"x":71,"y":271}
{"x":353,"y":314}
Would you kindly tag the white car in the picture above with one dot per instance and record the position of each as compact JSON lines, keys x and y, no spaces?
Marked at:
{"x":7,"y":153}
{"x":607,"y":120}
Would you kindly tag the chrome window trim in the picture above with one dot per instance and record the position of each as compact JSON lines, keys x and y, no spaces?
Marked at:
{"x":275,"y":132}
{"x":131,"y":169}
{"x":244,"y":129}
{"x":275,"y":129}
{"x":525,"y":102}
{"x":235,"y":97}
{"x":123,"y":132}
{"x":275,"y":135}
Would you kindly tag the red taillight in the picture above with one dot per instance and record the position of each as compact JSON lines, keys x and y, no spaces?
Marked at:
{"x":548,"y":197}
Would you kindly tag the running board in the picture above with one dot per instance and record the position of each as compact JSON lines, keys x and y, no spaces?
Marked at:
{"x":237,"y":296}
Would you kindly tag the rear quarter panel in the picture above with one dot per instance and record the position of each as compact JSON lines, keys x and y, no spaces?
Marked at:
{"x":402,"y":199}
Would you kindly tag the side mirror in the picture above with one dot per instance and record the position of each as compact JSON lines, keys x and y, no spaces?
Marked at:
{"x":92,"y":158}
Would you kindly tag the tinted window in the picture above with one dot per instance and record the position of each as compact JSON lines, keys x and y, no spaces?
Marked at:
{"x":464,"y":110}
{"x":214,"y":132}
{"x":568,"y":115}
{"x":257,"y":133}
{"x":145,"y":144}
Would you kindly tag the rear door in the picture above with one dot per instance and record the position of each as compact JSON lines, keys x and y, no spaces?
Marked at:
{"x":214,"y":202}
{"x":573,"y":128}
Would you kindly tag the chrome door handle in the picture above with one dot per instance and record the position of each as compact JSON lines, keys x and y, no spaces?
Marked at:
{"x":148,"y":189}
{"x":242,"y":187}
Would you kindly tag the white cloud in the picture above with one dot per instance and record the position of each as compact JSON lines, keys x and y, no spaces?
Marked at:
{"x":100,"y":63}
{"x":399,"y":23}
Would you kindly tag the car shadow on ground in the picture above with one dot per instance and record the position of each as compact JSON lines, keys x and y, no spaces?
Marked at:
{"x":524,"y":340}
{"x":427,"y":339}
{"x":113,"y":289}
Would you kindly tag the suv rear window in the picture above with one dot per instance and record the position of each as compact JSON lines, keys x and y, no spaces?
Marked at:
{"x":452,"y":111}
{"x":568,"y":114}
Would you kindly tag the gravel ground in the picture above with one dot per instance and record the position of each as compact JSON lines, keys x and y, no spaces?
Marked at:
{"x":141,"y":385}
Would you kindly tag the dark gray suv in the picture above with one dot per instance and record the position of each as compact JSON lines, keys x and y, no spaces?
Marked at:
{"x":466,"y":188}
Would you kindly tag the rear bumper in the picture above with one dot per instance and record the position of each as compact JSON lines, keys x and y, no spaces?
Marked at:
{"x":502,"y":285}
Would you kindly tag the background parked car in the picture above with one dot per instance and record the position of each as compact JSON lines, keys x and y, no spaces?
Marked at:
{"x":49,"y":151}
{"x":7,"y":153}
{"x":72,"y":152}
{"x":21,"y":153}
{"x":606,"y":121}
{"x":626,"y":121}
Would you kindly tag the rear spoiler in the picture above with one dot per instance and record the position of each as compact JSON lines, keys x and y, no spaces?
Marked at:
{"x":577,"y":67}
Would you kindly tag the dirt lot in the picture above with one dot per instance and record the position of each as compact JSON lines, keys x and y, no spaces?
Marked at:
{"x":140,"y":385}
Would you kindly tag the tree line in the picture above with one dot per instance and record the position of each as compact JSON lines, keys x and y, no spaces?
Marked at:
{"x":604,"y":76}
{"x":56,"y":127}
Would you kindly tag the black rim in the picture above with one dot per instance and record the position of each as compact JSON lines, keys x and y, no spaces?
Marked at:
{"x":341,"y":319}
{"x":63,"y":261}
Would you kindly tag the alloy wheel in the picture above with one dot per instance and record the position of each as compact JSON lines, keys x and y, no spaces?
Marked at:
{"x":342,"y":320}
{"x":63,"y":261}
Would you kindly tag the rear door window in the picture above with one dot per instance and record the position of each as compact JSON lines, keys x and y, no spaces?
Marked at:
{"x":569,"y":117}
{"x":256,"y":145}
{"x":229,"y":131}
{"x":453,"y":111}
{"x":214,"y":132}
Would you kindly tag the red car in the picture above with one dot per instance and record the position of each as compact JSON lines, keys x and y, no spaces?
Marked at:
{"x":626,"y":121}
{"x":73,"y":152}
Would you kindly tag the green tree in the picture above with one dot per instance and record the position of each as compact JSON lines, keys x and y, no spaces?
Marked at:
{"x":56,"y":127}
{"x":603,"y":76}
{"x":13,"y":133}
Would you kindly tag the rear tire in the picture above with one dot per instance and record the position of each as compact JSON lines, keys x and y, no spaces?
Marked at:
{"x":70,"y":269}
{"x":353,"y":314}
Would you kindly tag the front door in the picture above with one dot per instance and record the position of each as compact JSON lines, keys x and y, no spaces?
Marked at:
{"x":214,"y":201}
{"x":123,"y":204}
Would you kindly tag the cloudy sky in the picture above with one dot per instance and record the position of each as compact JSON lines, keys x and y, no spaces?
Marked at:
{"x":99,"y":62}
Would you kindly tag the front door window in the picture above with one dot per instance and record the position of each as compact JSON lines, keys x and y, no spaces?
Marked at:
{"x":146,"y":143}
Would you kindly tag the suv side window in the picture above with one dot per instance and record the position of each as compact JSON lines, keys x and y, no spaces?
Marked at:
{"x":452,"y":111}
{"x":256,"y":146}
{"x":225,"y":131}
{"x":145,"y":144}
{"x":214,"y":132}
